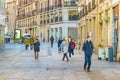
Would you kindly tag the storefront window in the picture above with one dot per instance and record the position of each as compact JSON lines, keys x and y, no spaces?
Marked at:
{"x":73,"y":15}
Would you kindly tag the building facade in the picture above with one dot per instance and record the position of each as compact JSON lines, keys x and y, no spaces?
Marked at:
{"x":58,"y":18}
{"x":11,"y":17}
{"x":45,"y":18}
{"x":26,"y":16}
{"x":87,"y":19}
{"x":100,"y":20}
{"x":2,"y":21}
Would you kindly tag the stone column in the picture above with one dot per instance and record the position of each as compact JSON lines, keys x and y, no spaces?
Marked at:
{"x":58,"y":32}
{"x":53,"y":33}
{"x":65,"y":31}
{"x":119,"y":32}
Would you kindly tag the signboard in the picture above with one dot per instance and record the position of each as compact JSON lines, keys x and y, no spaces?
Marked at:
{"x":17,"y":33}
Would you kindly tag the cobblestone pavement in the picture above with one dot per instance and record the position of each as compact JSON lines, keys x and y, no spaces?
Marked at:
{"x":18,"y":64}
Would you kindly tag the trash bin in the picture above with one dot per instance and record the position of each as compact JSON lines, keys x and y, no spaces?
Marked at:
{"x":110,"y":57}
{"x":106,"y":53}
{"x":101,"y":55}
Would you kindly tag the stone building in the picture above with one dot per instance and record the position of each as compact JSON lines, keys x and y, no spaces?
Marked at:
{"x":11,"y":17}
{"x":100,"y":20}
{"x":26,"y":16}
{"x":2,"y":21}
{"x":45,"y":18}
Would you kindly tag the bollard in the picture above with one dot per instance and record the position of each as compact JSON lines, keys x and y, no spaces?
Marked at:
{"x":49,"y":51}
{"x":110,"y":54}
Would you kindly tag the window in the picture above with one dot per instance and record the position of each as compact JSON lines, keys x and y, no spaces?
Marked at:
{"x":101,"y":1}
{"x":73,"y":15}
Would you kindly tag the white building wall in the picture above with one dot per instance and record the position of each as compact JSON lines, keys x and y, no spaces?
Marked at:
{"x":64,"y":26}
{"x":65,"y":14}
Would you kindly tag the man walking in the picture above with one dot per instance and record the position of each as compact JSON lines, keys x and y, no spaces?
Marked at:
{"x":36,"y":48}
{"x":59,"y":44}
{"x":52,"y":40}
{"x":88,"y":49}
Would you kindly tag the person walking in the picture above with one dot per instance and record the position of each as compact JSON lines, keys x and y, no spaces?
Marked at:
{"x":36,"y":48}
{"x":31,"y":42}
{"x":64,"y":47}
{"x":26,"y":42}
{"x":88,"y":49}
{"x":52,"y":40}
{"x":59,"y":44}
{"x":71,"y":47}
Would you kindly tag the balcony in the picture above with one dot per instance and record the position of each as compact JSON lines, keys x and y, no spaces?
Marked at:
{"x":69,"y":3}
{"x":50,"y":8}
{"x":60,"y":18}
{"x":89,"y":7}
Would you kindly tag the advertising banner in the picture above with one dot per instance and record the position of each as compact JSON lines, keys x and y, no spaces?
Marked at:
{"x":17,"y":33}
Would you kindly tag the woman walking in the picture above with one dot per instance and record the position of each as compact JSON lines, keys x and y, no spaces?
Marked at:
{"x":64,"y":47}
{"x":36,"y":48}
{"x":31,"y":42}
{"x":26,"y":42}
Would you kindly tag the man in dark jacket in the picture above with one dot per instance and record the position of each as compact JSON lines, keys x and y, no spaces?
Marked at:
{"x":59,"y":44}
{"x":36,"y":48}
{"x":88,"y":49}
{"x":52,"y":40}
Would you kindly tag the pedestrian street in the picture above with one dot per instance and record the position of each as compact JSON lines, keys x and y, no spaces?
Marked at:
{"x":18,"y":64}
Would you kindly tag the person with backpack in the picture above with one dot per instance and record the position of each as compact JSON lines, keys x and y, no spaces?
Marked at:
{"x":64,"y":47}
{"x":71,"y":47}
{"x":88,"y":49}
{"x":36,"y":48}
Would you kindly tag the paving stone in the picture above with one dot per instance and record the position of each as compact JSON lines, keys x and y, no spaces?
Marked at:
{"x":18,"y":64}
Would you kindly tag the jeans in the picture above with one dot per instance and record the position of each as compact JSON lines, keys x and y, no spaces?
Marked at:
{"x":71,"y":52}
{"x":51,"y":44}
{"x":26,"y":47}
{"x":65,"y":55}
{"x":59,"y":49}
{"x":87,"y":62}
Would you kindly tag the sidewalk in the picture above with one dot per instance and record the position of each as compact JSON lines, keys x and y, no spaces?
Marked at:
{"x":19,"y":64}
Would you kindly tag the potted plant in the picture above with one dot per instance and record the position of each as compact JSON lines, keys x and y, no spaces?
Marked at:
{"x":107,"y":19}
{"x":100,"y":21}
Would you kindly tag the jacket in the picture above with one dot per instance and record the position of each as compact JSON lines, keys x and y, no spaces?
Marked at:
{"x":59,"y":42}
{"x":88,"y":48}
{"x":31,"y":40}
{"x":64,"y":47}
{"x":26,"y":42}
{"x":36,"y":45}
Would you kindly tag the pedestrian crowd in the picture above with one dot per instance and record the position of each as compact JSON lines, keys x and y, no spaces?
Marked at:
{"x":66,"y":46}
{"x":34,"y":43}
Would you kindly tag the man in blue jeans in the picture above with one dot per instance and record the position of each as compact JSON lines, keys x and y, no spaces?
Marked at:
{"x":88,"y":49}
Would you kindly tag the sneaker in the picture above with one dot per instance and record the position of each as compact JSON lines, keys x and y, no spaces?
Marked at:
{"x":88,"y":71}
{"x":84,"y":68}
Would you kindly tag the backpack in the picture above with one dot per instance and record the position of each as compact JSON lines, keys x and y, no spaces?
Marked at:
{"x":72,"y":45}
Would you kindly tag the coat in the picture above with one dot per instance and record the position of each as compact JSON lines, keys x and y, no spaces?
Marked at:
{"x":64,"y":47}
{"x":26,"y":42}
{"x":59,"y":42}
{"x":36,"y":45}
{"x":52,"y":39}
{"x":31,"y":40}
{"x":88,"y":48}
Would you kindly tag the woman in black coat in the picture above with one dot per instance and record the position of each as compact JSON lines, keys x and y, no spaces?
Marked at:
{"x":36,"y":48}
